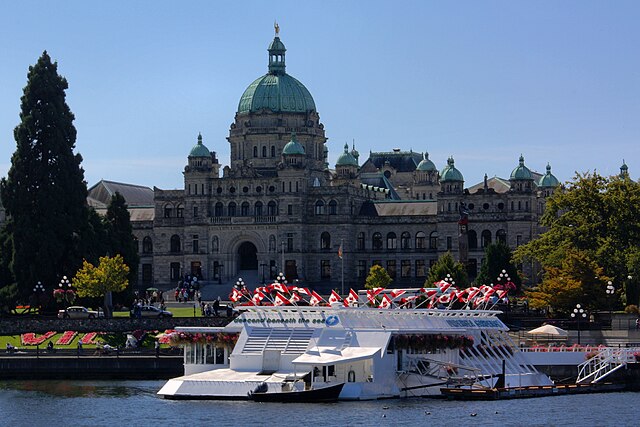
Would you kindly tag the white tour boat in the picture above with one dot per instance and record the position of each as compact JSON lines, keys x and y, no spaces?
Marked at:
{"x":375,"y":353}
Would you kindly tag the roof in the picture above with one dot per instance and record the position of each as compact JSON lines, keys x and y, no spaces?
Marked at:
{"x":450,"y":172}
{"x":293,"y":146}
{"x":548,"y":180}
{"x":135,"y":214}
{"x":134,"y":195}
{"x":323,"y":356}
{"x":401,"y":161}
{"x":199,"y":150}
{"x":426,"y":165}
{"x":346,"y":158}
{"x":399,"y":208}
{"x":378,"y":180}
{"x":521,"y":171}
{"x":499,"y":185}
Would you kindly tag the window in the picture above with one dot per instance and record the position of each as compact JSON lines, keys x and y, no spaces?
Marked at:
{"x":232,"y":209}
{"x":179,"y":211}
{"x":195,"y":212}
{"x":195,"y":244}
{"x":405,"y":268}
{"x":392,"y":241}
{"x":272,"y":243}
{"x":360,"y":241}
{"x":485,"y":238}
{"x":319,"y":207}
{"x":433,"y":240}
{"x":147,"y":245}
{"x":147,"y":276}
{"x":376,"y":241}
{"x":218,"y":209}
{"x":168,"y":211}
{"x":174,"y":270}
{"x":258,"y":209}
{"x":325,"y":240}
{"x":421,"y":240}
{"x":325,"y":269}
{"x":333,"y":207}
{"x":362,"y":268}
{"x":405,"y":240}
{"x":391,"y":268}
{"x":290,"y":242}
{"x":215,"y":245}
{"x":472,"y":237}
{"x":174,"y":245}
{"x":421,"y":271}
{"x":273,"y":151}
{"x":244,"y":209}
{"x":289,"y":210}
{"x":501,"y":236}
{"x":449,"y":243}
{"x":255,"y":151}
{"x":264,"y":151}
{"x":272,"y":208}
{"x":518,"y":239}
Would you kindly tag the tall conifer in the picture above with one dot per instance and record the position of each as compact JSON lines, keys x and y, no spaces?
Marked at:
{"x":45,"y":192}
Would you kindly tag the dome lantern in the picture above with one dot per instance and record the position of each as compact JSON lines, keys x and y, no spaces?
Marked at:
{"x":548,"y":180}
{"x":346,"y":158}
{"x":521,"y":172}
{"x":199,"y":150}
{"x":293,"y":147}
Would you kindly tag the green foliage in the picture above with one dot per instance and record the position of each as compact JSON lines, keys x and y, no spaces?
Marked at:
{"x":631,"y":309}
{"x":598,"y":217}
{"x":109,"y":276}
{"x":120,"y":235}
{"x":446,"y":264}
{"x":44,"y":193}
{"x":377,"y":278}
{"x":8,"y":297}
{"x":497,"y":257}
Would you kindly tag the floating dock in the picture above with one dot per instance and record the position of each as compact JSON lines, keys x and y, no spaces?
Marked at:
{"x":527,"y":392}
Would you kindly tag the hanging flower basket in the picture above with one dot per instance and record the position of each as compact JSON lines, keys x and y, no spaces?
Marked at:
{"x":179,"y":338}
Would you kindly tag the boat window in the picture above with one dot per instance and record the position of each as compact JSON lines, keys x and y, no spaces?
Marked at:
{"x":219,"y":356}
{"x":332,"y":371}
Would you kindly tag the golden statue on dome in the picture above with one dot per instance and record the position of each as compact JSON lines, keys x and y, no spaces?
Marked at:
{"x":276,"y":27}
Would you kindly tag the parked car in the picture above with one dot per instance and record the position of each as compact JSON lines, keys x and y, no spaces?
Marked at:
{"x":78,"y":312}
{"x":149,"y":311}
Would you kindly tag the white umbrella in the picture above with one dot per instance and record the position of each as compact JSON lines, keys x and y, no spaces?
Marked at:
{"x":549,"y":330}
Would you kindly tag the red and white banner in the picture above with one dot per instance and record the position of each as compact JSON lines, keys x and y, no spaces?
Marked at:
{"x":334,"y":297}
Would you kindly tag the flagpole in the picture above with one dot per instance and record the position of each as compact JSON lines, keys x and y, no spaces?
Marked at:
{"x":342,"y":262}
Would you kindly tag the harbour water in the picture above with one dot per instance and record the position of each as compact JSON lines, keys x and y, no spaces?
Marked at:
{"x":129,"y":403}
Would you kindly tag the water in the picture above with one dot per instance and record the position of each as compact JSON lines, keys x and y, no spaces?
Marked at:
{"x":135,"y":403}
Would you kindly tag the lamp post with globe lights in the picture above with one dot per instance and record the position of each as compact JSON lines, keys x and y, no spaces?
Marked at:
{"x":578,"y":314}
{"x":281,"y":278}
{"x":611,"y":291}
{"x":38,"y":291}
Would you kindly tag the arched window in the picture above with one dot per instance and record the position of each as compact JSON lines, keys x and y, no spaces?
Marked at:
{"x":215,"y":245}
{"x":325,"y":240}
{"x":319,"y":207}
{"x":333,"y":207}
{"x":273,"y":151}
{"x":272,"y":243}
{"x":421,"y":240}
{"x":473,"y":239}
{"x":485,"y":238}
{"x":433,"y":240}
{"x":258,"y":208}
{"x":244,"y":209}
{"x":174,"y":246}
{"x":147,"y":245}
{"x":272,"y":208}
{"x":168,"y":210}
{"x":501,"y":236}
{"x":218,"y":209}
{"x":264,"y":151}
{"x":255,"y":151}
{"x":376,"y":241}
{"x":392,"y":241}
{"x":360,"y":241}
{"x":232,"y":209}
{"x":405,"y":240}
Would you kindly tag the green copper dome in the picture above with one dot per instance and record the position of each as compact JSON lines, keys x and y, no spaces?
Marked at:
{"x":548,"y":180}
{"x":293,"y":146}
{"x":450,"y":173}
{"x":199,"y":150}
{"x":426,"y":165}
{"x":521,"y":171}
{"x":276,"y":91}
{"x":346,"y":158}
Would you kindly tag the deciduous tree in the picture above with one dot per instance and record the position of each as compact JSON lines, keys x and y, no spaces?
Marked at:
{"x":109,"y":276}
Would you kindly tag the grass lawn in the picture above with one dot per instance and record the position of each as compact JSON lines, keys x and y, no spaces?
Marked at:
{"x":186,"y":311}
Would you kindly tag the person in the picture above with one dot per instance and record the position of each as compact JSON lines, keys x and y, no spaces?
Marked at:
{"x":216,"y":306}
{"x":157,"y":346}
{"x":79,"y":346}
{"x":638,"y":323}
{"x":50,"y":347}
{"x":10,"y":348}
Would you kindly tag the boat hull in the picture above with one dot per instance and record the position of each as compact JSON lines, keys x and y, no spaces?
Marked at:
{"x":320,"y":395}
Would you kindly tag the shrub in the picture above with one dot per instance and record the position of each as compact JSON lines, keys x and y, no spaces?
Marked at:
{"x":631,"y":309}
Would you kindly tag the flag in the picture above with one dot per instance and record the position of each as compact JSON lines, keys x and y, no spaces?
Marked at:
{"x":235,"y":295}
{"x":502,"y":294}
{"x":351,"y":299}
{"x":258,"y":296}
{"x":340,"y":251}
{"x":396,"y":293}
{"x":294,"y":298}
{"x":443,"y":285}
{"x":431,"y":293}
{"x":444,"y":298}
{"x":315,"y":298}
{"x":277,"y":286}
{"x":303,"y":291}
{"x":386,"y":302}
{"x":280,"y":300}
{"x":334,"y":297}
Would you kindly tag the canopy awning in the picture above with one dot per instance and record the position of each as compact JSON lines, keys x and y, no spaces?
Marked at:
{"x":323,"y":356}
{"x":549,"y":330}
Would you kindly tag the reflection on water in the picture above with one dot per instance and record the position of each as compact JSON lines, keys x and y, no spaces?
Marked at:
{"x":115,"y":389}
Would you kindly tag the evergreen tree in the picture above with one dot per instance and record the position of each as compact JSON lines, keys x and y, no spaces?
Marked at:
{"x":377,"y":278}
{"x":120,"y":235}
{"x":44,"y":193}
{"x":497,"y":257}
{"x":446,"y":264}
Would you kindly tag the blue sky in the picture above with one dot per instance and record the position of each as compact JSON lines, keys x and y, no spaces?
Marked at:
{"x":483,"y":81}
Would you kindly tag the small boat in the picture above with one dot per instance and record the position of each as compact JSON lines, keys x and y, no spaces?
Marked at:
{"x":314,"y":395}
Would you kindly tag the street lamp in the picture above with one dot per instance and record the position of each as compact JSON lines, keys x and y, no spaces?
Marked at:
{"x":38,"y":290}
{"x":611,"y":290}
{"x":578,"y":314}
{"x":450,"y":280}
{"x":240,"y":284}
{"x":281,"y":278}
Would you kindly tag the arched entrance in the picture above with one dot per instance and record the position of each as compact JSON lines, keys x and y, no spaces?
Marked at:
{"x":248,"y":256}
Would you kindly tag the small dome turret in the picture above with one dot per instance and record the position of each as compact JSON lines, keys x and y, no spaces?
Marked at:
{"x":624,"y":170}
{"x":425,"y":164}
{"x":199,"y":150}
{"x":346,"y":158}
{"x":293,"y":146}
{"x":521,"y":172}
{"x":450,"y":173}
{"x":548,"y":180}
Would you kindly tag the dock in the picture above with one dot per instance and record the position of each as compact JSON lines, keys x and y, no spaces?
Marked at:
{"x":528,"y":392}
